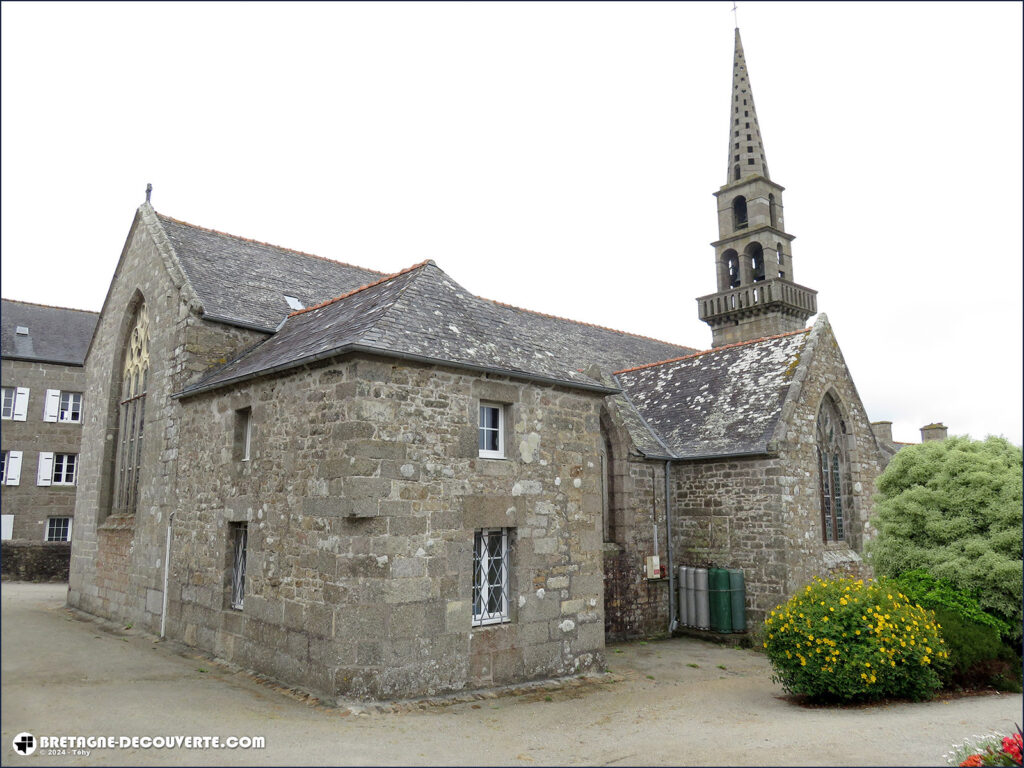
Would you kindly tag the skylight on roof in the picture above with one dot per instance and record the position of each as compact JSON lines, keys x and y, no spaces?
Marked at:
{"x":293,"y":302}
{"x":21,"y":330}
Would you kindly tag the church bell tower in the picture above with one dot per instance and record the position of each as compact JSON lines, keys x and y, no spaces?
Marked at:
{"x":756,"y":294}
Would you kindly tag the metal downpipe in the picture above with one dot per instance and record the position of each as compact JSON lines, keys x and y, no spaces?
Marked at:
{"x":167,"y":571}
{"x":672,"y":620}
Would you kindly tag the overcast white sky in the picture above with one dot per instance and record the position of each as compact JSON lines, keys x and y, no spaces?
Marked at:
{"x":561,"y":157}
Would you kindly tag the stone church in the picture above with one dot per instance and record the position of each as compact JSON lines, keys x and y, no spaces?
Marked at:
{"x":378,"y":485}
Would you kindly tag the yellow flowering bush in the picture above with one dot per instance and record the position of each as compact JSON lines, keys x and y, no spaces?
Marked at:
{"x":848,"y":640}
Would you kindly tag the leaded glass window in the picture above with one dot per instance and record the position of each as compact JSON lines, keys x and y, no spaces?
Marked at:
{"x":132,"y":414}
{"x":490,"y":576}
{"x":832,"y":469}
{"x":239,"y":551}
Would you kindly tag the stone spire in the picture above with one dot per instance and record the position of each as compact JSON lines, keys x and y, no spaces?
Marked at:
{"x":746,"y":150}
{"x":757,"y":295}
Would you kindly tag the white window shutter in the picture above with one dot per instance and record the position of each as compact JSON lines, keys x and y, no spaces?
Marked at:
{"x":13,"y":467}
{"x":21,"y":403}
{"x":51,"y":405}
{"x":7,"y":527}
{"x":45,"y":473}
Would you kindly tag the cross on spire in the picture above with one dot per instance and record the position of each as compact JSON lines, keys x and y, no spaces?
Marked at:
{"x":735,"y":15}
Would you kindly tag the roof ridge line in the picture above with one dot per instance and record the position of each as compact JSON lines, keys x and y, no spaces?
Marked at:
{"x":50,"y":306}
{"x":263,"y":242}
{"x":384,"y":279}
{"x":581,"y":322}
{"x":709,"y":351}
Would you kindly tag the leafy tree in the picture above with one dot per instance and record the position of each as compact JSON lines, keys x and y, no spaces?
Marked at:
{"x":954,"y":508}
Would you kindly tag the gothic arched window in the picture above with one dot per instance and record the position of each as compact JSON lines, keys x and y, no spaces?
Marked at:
{"x":833,"y":469}
{"x":131,"y":414}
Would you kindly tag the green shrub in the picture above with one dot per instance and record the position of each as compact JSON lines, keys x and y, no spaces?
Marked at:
{"x":954,"y":508}
{"x":850,"y":640}
{"x":977,"y":653}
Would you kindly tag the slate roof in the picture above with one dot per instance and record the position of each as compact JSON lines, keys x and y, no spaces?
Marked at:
{"x":244,"y":282}
{"x":419,"y":313}
{"x":55,"y":334}
{"x":583,"y":344}
{"x":725,"y":401}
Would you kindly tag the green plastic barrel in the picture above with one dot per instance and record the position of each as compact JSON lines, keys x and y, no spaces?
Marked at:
{"x":718,"y":596}
{"x":738,"y":595}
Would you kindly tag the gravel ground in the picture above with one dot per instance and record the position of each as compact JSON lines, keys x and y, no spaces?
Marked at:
{"x":672,"y":702}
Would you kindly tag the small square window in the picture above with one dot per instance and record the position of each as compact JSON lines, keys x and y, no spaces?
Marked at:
{"x":750,"y":161}
{"x":64,"y":465}
{"x":490,"y":576}
{"x":492,"y":431}
{"x":58,"y":529}
{"x":70,"y":407}
{"x":782,"y":275}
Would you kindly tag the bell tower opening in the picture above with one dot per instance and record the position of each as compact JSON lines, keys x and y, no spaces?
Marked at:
{"x":739,"y":213}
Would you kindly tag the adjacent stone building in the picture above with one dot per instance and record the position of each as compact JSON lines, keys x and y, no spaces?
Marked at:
{"x":43,"y":354}
{"x":381,"y":485}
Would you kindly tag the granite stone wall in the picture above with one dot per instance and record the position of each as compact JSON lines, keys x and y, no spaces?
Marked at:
{"x":807,"y":554}
{"x":361,"y":496}
{"x":35,"y":560}
{"x":761,"y":514}
{"x":29,"y":503}
{"x":117,"y":560}
{"x":635,"y":605}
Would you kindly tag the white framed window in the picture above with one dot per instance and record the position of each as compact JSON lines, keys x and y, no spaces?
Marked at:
{"x":11,"y":468}
{"x":62,"y":406}
{"x":3,"y":467}
{"x":239,"y":542}
{"x":15,"y":403}
{"x":58,"y":529}
{"x":492,"y":431}
{"x":490,"y":576}
{"x":56,"y":468}
{"x":64,"y":468}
